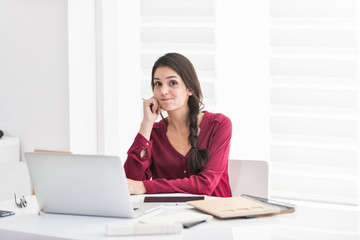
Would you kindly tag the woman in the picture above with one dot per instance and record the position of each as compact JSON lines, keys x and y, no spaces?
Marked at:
{"x":186,"y":152}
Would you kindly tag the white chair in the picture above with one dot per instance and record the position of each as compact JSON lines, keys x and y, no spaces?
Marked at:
{"x":14,"y":178}
{"x":248,"y":177}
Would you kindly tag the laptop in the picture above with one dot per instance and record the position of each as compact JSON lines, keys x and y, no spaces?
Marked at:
{"x":82,"y":185}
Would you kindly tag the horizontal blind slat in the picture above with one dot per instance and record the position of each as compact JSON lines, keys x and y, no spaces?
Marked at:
{"x":314,"y":156}
{"x":312,"y":67}
{"x":314,"y":38}
{"x":313,"y":8}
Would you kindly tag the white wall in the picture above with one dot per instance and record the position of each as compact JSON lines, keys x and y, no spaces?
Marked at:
{"x":34,"y":92}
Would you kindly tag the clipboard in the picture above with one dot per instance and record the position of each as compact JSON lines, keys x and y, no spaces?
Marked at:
{"x":284,"y":207}
{"x":245,"y":206}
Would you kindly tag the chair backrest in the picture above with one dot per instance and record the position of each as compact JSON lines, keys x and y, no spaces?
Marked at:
{"x":248,"y":177}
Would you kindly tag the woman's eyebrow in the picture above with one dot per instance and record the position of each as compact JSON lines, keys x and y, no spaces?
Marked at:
{"x":171,"y":77}
{"x":166,"y":77}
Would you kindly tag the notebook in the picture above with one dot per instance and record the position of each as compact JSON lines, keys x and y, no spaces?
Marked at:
{"x":234,"y":207}
{"x":82,"y":185}
{"x":173,"y":200}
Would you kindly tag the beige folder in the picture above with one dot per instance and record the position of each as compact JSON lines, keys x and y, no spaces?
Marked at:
{"x":234,"y":207}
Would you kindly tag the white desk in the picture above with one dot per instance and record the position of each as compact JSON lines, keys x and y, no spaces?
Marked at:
{"x":310,"y":221}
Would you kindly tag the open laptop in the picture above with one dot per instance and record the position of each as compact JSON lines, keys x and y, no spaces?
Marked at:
{"x":82,"y":185}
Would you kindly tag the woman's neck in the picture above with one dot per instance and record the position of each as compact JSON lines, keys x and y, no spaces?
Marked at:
{"x":179,"y":120}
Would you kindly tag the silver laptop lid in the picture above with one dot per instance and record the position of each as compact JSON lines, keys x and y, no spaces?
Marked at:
{"x":80,"y":184}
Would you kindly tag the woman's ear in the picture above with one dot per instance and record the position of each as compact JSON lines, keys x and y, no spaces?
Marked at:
{"x":189,"y":93}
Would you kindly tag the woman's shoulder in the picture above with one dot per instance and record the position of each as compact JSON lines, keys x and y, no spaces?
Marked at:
{"x":217,"y":118}
{"x":216,"y":123}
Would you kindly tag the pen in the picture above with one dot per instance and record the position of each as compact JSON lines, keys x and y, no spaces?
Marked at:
{"x":191,"y":224}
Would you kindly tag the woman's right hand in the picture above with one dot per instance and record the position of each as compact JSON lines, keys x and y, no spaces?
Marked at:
{"x":151,"y":108}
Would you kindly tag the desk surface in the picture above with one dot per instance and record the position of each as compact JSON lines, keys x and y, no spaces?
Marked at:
{"x":310,"y":221}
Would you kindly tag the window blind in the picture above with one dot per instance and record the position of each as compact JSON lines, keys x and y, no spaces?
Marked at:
{"x":314,"y":97}
{"x":186,"y":27}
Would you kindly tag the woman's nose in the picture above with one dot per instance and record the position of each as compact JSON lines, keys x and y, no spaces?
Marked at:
{"x":164,"y":90}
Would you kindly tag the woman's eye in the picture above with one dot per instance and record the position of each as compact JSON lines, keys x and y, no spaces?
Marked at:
{"x":157,"y":84}
{"x":173,"y":83}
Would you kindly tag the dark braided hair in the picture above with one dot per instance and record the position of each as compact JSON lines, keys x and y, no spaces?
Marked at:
{"x":184,"y":68}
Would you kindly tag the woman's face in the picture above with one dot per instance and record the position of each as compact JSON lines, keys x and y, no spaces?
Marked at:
{"x":170,"y":89}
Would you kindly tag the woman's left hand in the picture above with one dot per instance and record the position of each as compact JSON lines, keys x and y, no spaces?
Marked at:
{"x":136,"y":187}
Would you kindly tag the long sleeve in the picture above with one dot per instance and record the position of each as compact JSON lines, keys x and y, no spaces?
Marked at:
{"x":213,"y":178}
{"x":138,"y":168}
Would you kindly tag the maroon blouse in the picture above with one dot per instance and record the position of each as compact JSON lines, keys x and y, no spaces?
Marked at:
{"x":164,"y":170}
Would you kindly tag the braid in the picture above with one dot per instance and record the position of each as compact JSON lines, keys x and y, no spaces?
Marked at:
{"x":193,"y":116}
{"x":197,"y":158}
